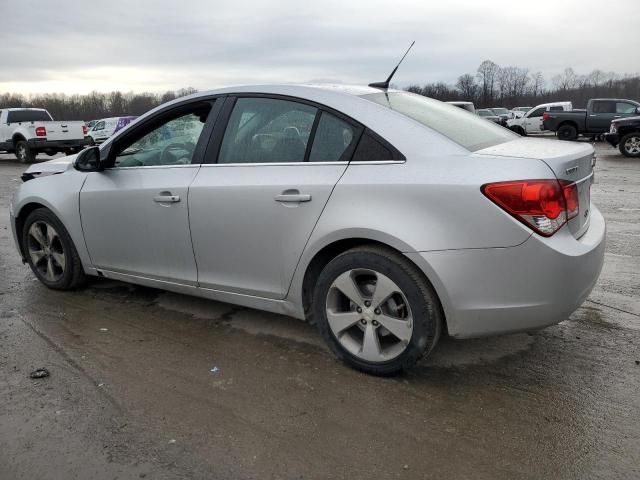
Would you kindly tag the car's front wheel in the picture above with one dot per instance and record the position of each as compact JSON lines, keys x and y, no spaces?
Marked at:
{"x":630,"y":145}
{"x":50,"y":251}
{"x":376,"y":311}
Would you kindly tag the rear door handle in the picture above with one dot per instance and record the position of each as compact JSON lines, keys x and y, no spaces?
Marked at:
{"x":166,"y":198}
{"x":293,"y":197}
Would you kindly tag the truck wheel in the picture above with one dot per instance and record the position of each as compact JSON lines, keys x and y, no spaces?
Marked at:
{"x":567,"y":132}
{"x":24,"y":153}
{"x":630,"y":145}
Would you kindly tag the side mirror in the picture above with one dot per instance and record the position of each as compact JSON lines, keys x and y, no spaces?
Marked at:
{"x":637,"y":109}
{"x":88,"y":160}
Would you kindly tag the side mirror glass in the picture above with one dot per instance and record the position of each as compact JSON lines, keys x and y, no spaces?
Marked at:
{"x":637,"y":109}
{"x":88,"y":160}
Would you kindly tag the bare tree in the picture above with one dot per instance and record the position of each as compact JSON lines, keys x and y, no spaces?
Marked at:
{"x":487,"y":72}
{"x":468,"y":87}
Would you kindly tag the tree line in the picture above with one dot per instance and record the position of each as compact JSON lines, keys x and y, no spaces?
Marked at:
{"x":93,"y":105}
{"x":495,"y":86}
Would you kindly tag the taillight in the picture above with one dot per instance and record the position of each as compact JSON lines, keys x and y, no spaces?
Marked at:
{"x":543,"y":205}
{"x":85,"y":129}
{"x":41,"y":132}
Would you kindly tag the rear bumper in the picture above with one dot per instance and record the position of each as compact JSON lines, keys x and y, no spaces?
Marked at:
{"x":38,"y":144}
{"x":612,"y":138}
{"x":527,"y":287}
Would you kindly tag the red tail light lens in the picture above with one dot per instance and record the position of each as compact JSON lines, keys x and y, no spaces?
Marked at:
{"x":41,"y":132}
{"x":85,"y":129}
{"x":543,"y":205}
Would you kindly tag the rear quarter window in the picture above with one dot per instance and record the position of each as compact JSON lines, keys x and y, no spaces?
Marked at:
{"x":465,"y":129}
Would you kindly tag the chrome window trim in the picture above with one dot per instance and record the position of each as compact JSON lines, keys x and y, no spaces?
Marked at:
{"x":301,"y":164}
{"x":141,"y":167}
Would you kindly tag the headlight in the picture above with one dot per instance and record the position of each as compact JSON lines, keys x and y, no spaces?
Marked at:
{"x":613,"y":128}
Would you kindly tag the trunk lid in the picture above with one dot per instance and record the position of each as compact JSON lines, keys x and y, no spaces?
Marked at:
{"x":570,"y":161}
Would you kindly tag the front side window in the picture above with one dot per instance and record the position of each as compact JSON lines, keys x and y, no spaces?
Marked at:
{"x":332,"y":140}
{"x":98,"y":126}
{"x":537,"y":113}
{"x":624,"y":107}
{"x":173,"y":142}
{"x":604,"y":107}
{"x":267,"y":130}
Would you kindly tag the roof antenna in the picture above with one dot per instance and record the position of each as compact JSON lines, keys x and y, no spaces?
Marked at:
{"x":385,"y":85}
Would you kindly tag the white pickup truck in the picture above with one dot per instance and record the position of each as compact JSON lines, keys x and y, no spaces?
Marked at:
{"x":29,"y":131}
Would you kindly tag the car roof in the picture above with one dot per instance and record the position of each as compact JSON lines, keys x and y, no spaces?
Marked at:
{"x":25,"y":108}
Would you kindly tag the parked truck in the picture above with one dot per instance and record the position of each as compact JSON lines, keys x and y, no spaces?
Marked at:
{"x":624,"y":133}
{"x":595,"y":120}
{"x":29,"y":131}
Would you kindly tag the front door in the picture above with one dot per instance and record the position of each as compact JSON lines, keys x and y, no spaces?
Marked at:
{"x":253,"y":210}
{"x":135,"y":214}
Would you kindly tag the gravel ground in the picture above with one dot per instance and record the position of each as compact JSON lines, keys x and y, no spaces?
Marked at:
{"x":151,"y":384}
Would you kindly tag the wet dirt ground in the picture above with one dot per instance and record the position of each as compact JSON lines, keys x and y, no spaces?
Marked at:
{"x":157,"y":385}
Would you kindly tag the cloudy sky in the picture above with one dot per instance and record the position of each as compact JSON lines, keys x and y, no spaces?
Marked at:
{"x":141,"y":45}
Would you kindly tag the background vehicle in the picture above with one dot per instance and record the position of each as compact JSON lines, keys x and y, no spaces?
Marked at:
{"x":30,"y":131}
{"x":595,"y":120}
{"x":624,"y":133}
{"x":531,"y":122}
{"x":519,"y":111}
{"x":343,"y":205}
{"x":489,"y":115}
{"x":106,"y":127}
{"x":503,"y":113}
{"x":464,"y":105}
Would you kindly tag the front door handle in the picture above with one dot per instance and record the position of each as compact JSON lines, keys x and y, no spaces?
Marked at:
{"x":166,"y":198}
{"x":292,"y":196}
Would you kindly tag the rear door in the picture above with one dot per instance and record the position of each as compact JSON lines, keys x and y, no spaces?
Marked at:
{"x":600,"y":116}
{"x":267,"y":177}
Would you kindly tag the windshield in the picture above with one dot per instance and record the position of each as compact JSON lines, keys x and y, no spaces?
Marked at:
{"x":17,"y":116}
{"x":523,"y":109}
{"x":458,"y":125}
{"x":500,"y":111}
{"x":485,"y":113}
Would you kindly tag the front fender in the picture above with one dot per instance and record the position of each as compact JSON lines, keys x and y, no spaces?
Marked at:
{"x":60,"y":194}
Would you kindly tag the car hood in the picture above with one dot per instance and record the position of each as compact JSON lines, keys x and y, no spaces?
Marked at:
{"x":58,"y":165}
{"x":626,"y":120}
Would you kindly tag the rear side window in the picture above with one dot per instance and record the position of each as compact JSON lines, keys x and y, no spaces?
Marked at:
{"x":17,"y":116}
{"x":369,"y":150}
{"x":267,"y":130}
{"x":333,"y":140}
{"x":468,"y":131}
{"x":556,"y":109}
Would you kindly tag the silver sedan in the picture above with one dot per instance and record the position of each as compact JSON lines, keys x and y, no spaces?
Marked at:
{"x":384,"y":217}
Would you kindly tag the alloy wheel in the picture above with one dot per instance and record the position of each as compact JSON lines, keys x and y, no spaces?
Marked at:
{"x":46,"y":251}
{"x":632,"y":145}
{"x":369,"y":315}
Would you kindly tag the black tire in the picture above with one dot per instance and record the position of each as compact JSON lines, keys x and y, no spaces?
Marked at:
{"x":72,"y":275}
{"x":567,"y":132}
{"x":625,"y":147}
{"x":422,"y":299}
{"x":24,"y":153}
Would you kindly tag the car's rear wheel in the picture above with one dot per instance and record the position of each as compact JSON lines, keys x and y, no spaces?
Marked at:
{"x":567,"y":132}
{"x":376,"y":311}
{"x":50,"y":252}
{"x":630,"y":145}
{"x":24,"y":153}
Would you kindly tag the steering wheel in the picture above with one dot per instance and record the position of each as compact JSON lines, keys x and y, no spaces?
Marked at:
{"x":167,"y":158}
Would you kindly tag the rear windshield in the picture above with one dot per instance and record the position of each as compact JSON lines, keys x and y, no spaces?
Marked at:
{"x":465,"y":129}
{"x":17,"y":116}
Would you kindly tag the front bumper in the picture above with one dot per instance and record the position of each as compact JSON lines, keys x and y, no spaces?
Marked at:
{"x":527,"y":287}
{"x":612,"y":138}
{"x":59,"y":145}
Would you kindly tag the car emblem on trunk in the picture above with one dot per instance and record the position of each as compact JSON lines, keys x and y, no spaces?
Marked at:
{"x":571,"y":170}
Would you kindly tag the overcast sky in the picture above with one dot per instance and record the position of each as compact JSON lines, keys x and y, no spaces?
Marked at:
{"x":139,"y":45}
